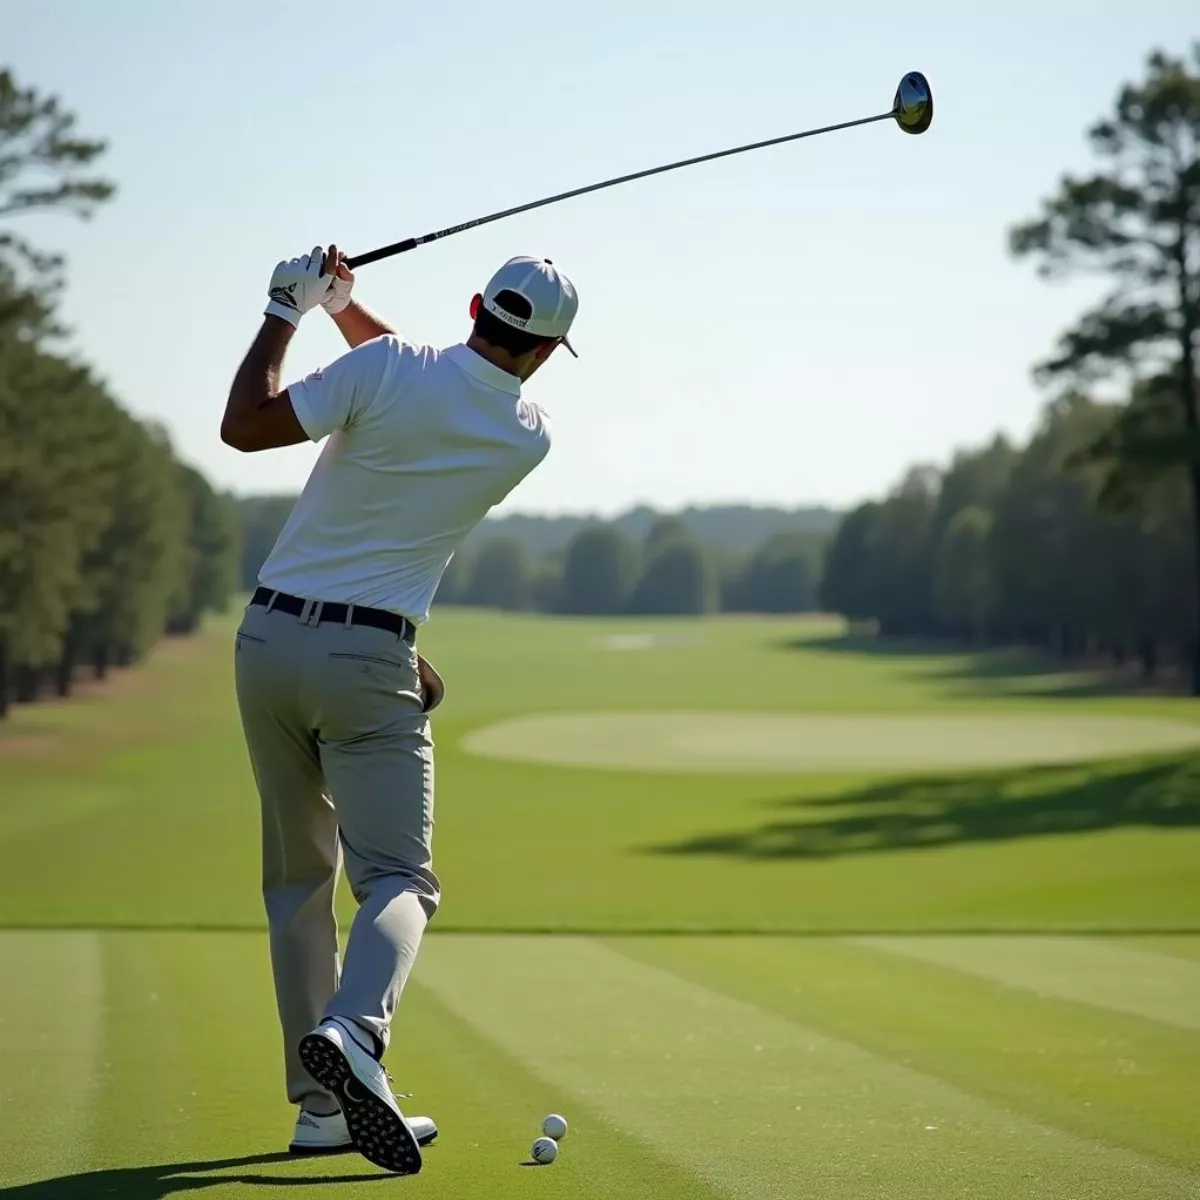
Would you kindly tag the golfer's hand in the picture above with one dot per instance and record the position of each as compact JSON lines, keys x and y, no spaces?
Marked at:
{"x":297,"y":286}
{"x":343,"y":281}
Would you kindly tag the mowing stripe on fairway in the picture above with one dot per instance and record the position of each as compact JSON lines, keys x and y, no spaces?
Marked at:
{"x":189,"y":1096}
{"x":50,"y":1021}
{"x":1101,"y":1075}
{"x":755,"y":1104}
{"x":489,"y":1108}
{"x":1084,"y":970}
{"x":1177,"y":944}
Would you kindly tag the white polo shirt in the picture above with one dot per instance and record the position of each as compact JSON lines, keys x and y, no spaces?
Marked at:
{"x":421,"y":444}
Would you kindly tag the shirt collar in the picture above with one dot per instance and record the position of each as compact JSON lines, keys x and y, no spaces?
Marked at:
{"x":465,"y":358}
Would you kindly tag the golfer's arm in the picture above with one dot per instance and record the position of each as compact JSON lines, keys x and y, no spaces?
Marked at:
{"x":359,"y":324}
{"x":258,"y":415}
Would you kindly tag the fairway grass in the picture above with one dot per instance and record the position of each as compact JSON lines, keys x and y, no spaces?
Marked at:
{"x":1001,"y":1003}
{"x":137,"y":808}
{"x":689,"y":1069}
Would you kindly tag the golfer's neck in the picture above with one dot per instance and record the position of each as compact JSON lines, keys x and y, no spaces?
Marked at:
{"x":494,"y":355}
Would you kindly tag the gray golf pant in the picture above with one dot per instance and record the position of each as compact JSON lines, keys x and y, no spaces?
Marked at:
{"x":338,"y":735}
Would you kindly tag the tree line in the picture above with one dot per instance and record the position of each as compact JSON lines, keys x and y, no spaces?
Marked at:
{"x":1085,"y":539}
{"x":1020,"y":545}
{"x":604,"y":571}
{"x":107,"y":540}
{"x":603,"y":568}
{"x":721,"y":526}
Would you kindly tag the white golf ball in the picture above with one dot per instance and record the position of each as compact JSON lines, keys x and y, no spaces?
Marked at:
{"x":545,"y":1150}
{"x":555,"y":1127}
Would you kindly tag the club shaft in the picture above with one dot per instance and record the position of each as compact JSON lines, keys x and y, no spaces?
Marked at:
{"x":412,"y":243}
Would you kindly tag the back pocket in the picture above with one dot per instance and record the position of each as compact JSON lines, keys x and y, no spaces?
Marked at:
{"x":370,"y":658}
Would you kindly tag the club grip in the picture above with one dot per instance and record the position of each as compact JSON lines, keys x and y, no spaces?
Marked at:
{"x":371,"y":256}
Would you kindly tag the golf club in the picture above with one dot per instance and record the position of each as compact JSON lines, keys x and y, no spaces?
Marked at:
{"x":912,"y":110}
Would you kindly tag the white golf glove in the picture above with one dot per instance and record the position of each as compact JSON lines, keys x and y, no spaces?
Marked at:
{"x":297,"y":286}
{"x":339,"y":293}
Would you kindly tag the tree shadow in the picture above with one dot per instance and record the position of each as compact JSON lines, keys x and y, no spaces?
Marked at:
{"x":989,"y":671}
{"x":1059,"y":685}
{"x":867,"y":644}
{"x":172,"y":1179}
{"x":942,"y":810}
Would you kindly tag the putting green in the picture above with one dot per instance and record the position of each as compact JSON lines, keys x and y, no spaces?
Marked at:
{"x":779,"y":742}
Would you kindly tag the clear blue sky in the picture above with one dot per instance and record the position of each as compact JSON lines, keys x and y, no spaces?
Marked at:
{"x":793,"y":325}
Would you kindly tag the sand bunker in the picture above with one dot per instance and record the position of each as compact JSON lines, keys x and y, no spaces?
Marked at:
{"x":740,"y":743}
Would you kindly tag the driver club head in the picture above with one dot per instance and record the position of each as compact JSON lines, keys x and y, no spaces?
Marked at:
{"x":913,"y":105}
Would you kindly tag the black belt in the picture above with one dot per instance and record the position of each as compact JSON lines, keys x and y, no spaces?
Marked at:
{"x":376,"y":618}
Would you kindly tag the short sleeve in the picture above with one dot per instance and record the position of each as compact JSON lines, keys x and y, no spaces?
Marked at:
{"x":337,"y":395}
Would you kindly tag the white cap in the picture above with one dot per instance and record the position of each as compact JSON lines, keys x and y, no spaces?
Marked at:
{"x":551,"y":295}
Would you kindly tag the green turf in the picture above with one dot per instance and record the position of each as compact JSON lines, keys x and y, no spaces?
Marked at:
{"x":690,"y":1069}
{"x":1084,"y":1068}
{"x":902,"y":1054}
{"x":127,"y":801}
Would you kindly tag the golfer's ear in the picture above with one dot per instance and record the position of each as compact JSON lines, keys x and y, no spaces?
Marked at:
{"x":476,"y":301}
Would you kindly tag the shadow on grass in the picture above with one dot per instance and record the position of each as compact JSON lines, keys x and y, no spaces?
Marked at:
{"x":946,"y":810}
{"x":978,"y":671}
{"x":173,"y":1179}
{"x":875,"y":647}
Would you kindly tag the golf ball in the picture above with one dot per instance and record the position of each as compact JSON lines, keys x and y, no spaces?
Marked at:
{"x":545,"y":1150}
{"x":555,"y":1127}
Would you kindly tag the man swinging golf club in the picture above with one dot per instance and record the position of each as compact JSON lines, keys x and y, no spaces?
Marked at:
{"x":420,"y":444}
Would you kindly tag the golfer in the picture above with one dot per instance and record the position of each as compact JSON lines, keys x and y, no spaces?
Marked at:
{"x":334,"y":698}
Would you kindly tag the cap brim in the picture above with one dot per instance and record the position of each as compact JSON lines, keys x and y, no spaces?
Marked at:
{"x":569,"y":346}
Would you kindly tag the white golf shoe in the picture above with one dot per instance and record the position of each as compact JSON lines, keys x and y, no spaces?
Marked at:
{"x":378,"y":1130}
{"x":329,"y":1135}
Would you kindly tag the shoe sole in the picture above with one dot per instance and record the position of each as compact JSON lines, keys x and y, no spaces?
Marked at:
{"x":311,"y":1150}
{"x":379,"y":1134}
{"x":346,"y":1147}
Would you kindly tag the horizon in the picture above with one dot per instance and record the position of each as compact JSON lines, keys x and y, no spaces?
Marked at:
{"x":615,"y":514}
